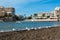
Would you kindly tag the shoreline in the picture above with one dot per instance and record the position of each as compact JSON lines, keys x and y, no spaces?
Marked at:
{"x":51,"y":33}
{"x":33,"y":21}
{"x":48,"y":19}
{"x":28,"y":29}
{"x":36,"y":20}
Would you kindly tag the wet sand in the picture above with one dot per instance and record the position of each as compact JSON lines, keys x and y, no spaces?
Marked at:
{"x":52,"y":33}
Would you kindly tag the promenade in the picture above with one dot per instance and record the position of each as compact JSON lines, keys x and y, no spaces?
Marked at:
{"x":42,"y":20}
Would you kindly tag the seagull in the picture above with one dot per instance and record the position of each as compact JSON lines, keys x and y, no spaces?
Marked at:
{"x":35,"y":28}
{"x":13,"y":29}
{"x":32,"y":28}
{"x":27,"y":28}
{"x":1,"y":31}
{"x":46,"y":27}
{"x":49,"y":26}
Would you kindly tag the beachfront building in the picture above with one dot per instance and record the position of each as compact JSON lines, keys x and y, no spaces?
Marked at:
{"x":53,"y":15}
{"x":7,"y":13}
{"x":45,"y":15}
{"x":2,"y":11}
{"x":10,"y":10}
{"x":40,"y":16}
{"x":57,"y":12}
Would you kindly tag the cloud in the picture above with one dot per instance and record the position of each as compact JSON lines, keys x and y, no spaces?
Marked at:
{"x":16,"y":2}
{"x":12,"y":2}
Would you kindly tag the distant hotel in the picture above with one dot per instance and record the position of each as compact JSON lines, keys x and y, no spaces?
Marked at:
{"x":7,"y":12}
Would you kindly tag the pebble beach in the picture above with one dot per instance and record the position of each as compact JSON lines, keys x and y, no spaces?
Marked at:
{"x":52,"y":33}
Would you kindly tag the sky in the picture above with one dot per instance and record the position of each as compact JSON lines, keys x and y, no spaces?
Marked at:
{"x":28,"y":7}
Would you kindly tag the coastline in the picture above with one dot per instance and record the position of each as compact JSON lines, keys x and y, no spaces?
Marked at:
{"x":51,"y":33}
{"x":35,"y":20}
{"x":42,"y":20}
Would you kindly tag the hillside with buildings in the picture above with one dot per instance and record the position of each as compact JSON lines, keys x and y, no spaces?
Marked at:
{"x":8,"y":14}
{"x":47,"y":16}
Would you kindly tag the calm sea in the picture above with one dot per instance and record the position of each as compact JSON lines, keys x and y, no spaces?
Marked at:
{"x":8,"y":26}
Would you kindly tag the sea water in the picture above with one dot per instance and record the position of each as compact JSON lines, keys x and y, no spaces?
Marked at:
{"x":11,"y":26}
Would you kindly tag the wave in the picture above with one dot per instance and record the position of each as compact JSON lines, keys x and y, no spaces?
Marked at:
{"x":35,"y":28}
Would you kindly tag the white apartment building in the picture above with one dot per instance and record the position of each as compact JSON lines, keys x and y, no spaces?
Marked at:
{"x":52,"y":14}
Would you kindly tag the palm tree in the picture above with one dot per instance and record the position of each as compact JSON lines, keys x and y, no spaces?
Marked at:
{"x":35,"y":14}
{"x":10,"y":15}
{"x":5,"y":15}
{"x":58,"y":17}
{"x":30,"y":17}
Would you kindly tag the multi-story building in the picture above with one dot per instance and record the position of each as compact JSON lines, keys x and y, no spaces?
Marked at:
{"x":2,"y":11}
{"x":53,"y":14}
{"x":57,"y":11}
{"x":10,"y":10}
{"x":7,"y":13}
{"x":42,"y":14}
